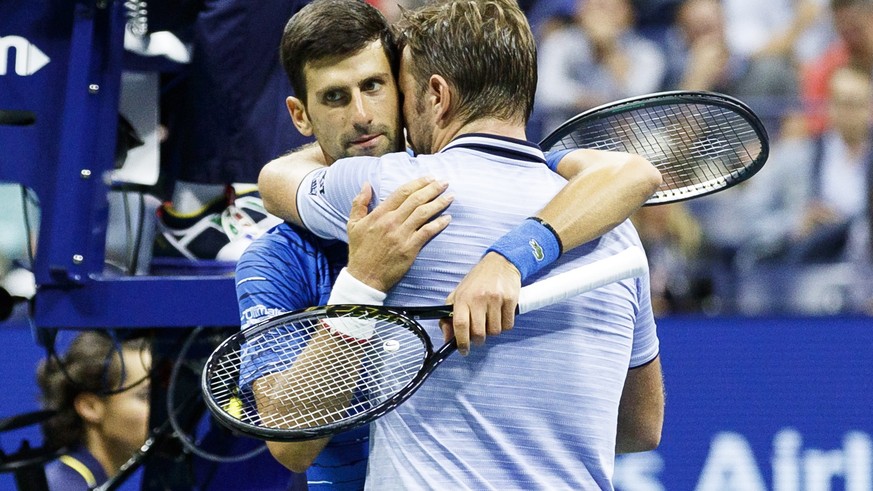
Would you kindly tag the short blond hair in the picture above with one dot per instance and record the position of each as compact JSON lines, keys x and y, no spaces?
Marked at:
{"x":484,"y":48}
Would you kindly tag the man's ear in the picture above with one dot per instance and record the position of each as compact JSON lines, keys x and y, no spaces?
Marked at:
{"x":439,"y":93}
{"x":297,"y":110}
{"x":90,"y":407}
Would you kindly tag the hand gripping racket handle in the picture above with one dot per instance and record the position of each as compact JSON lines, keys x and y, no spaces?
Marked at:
{"x":628,"y":263}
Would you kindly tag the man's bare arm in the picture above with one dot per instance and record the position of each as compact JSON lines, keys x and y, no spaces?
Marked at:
{"x":641,"y":410}
{"x":604,"y":190}
{"x":297,"y":457}
{"x":279,"y":179}
{"x":337,"y":365}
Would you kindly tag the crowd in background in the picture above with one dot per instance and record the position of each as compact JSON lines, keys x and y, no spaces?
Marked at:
{"x":796,"y":237}
{"x":793,"y":239}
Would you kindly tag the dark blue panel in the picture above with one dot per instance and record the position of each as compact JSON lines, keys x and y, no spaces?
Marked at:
{"x":139,"y":301}
{"x":28,"y":152}
{"x":741,"y":392}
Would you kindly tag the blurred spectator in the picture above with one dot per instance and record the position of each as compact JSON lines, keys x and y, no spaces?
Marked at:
{"x":698,"y":54}
{"x":772,"y":202}
{"x":701,"y":58}
{"x":597,"y":58}
{"x":839,"y":164}
{"x":810,"y":203}
{"x":811,"y":210}
{"x":672,"y":239}
{"x":853,"y":22}
{"x":100,"y":390}
{"x":794,"y":29}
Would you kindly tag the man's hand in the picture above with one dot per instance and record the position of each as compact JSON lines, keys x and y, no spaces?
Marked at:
{"x":384,"y":243}
{"x":484,"y":302}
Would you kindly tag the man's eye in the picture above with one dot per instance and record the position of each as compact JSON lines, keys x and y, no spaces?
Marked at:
{"x":333,"y":97}
{"x":372,"y":86}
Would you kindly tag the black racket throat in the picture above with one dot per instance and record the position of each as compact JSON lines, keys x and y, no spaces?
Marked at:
{"x":376,"y":311}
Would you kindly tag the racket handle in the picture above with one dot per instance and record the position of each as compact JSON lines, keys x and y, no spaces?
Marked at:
{"x":628,"y":263}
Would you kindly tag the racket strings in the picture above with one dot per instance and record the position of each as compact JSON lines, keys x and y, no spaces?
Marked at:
{"x":695,"y":146}
{"x":303,"y":374}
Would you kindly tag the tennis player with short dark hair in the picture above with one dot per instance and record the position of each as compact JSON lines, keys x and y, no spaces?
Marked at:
{"x":354,"y":112}
{"x":539,"y":405}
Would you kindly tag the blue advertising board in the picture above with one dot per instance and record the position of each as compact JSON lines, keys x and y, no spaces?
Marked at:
{"x":781,"y":404}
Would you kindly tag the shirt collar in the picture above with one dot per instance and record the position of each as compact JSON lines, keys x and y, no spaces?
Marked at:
{"x":502,"y":146}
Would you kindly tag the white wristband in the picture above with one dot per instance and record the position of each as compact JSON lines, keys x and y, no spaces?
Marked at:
{"x":349,"y":290}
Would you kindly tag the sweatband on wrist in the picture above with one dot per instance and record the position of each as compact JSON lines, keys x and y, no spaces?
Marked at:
{"x":530,"y":247}
{"x":349,"y":290}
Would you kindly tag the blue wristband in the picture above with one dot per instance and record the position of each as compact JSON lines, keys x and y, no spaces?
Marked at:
{"x":530,"y":247}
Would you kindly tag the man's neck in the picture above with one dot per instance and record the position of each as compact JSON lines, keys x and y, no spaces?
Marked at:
{"x":488,"y":126}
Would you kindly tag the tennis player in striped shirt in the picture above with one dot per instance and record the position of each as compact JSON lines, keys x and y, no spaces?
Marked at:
{"x":537,"y":406}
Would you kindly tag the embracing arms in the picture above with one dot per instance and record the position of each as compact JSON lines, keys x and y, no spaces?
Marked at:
{"x":604,"y":189}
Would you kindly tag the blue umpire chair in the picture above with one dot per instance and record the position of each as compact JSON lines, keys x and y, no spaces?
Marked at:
{"x":61,"y":66}
{"x":61,"y":63}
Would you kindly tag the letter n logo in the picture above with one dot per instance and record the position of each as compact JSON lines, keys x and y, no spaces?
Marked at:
{"x":28,"y":58}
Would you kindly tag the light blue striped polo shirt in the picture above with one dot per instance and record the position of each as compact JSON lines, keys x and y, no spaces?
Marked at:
{"x":537,"y":406}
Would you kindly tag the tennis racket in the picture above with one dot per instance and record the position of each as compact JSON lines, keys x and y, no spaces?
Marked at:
{"x":702,"y":142}
{"x":320,"y":371}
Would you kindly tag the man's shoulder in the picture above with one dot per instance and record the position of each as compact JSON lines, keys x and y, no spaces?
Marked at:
{"x":283,"y":244}
{"x":363,"y":161}
{"x":284,"y":236}
{"x":347,"y":175}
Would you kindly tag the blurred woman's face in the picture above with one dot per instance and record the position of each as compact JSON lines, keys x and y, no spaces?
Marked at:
{"x":617,"y":13}
{"x":126,"y":417}
{"x":853,"y":26}
{"x":850,"y":103}
{"x":699,"y":18}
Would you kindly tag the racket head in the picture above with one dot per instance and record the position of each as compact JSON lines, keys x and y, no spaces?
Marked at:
{"x":393,"y":363}
{"x":702,"y":142}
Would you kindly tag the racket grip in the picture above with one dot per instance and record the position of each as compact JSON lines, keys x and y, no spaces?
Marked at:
{"x":628,"y":263}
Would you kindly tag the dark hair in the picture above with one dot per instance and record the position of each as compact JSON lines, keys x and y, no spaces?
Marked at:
{"x":90,"y":365}
{"x":839,"y":4}
{"x":325,"y":30}
{"x":484,"y":48}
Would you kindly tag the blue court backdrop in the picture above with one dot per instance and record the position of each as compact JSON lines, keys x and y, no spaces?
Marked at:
{"x":781,"y":404}
{"x":753,"y":404}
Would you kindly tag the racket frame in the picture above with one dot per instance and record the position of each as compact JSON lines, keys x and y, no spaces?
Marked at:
{"x":668,"y":98}
{"x":407,"y":317}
